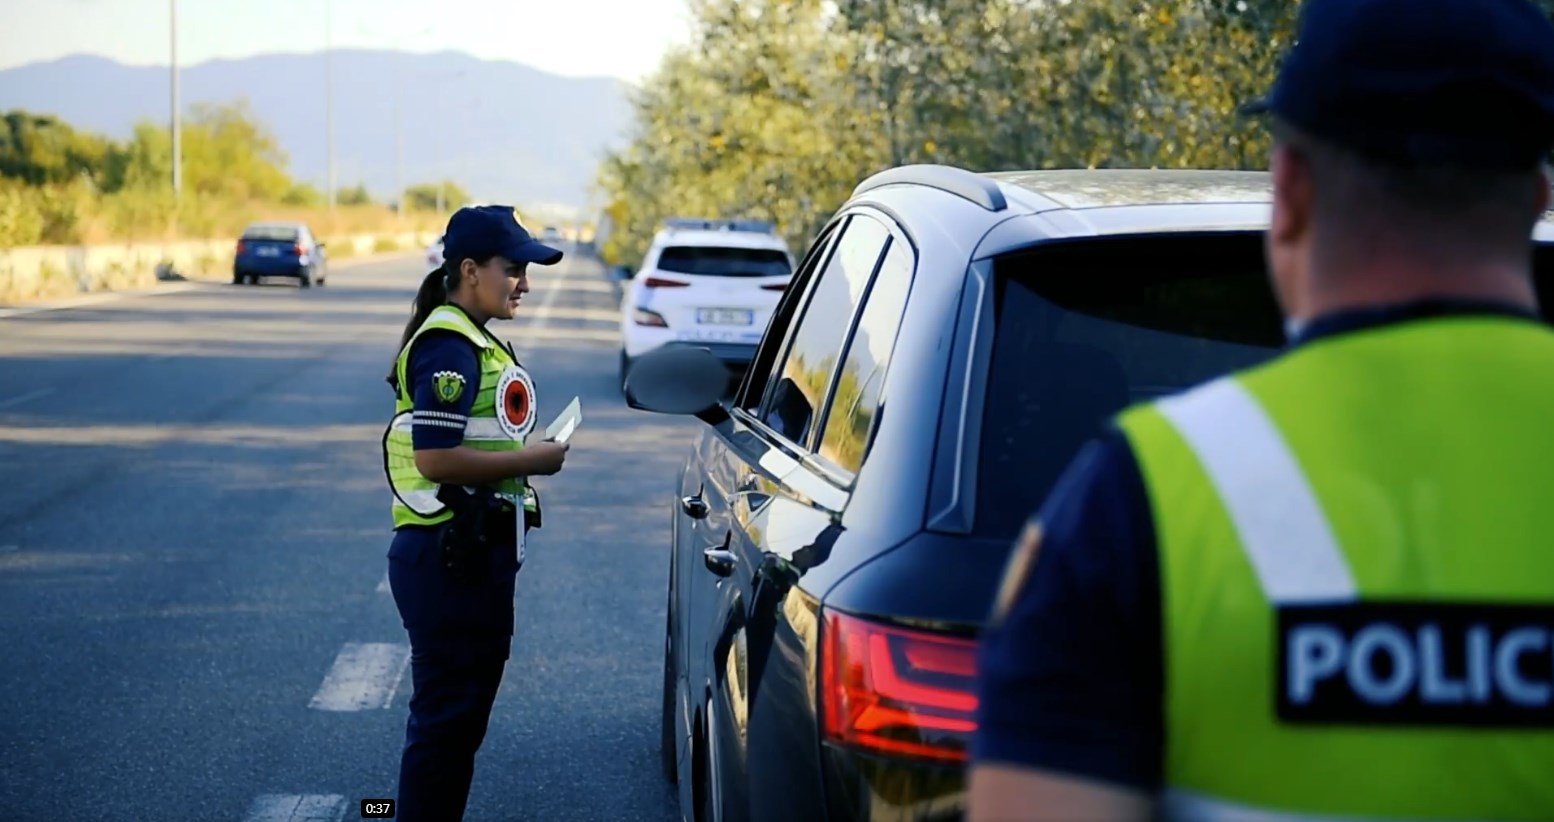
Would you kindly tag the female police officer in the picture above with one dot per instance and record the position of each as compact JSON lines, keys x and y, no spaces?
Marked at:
{"x":456,"y":461}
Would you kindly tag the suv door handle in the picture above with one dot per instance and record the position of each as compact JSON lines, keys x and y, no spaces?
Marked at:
{"x":719,"y":561}
{"x":695,"y":507}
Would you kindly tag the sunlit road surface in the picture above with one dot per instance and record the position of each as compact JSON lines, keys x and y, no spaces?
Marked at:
{"x":193,"y":522}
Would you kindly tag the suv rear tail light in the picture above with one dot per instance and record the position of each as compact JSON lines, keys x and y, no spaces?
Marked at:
{"x":897,"y":691}
{"x":660,"y":282}
{"x":297,"y":249}
{"x":642,"y":316}
{"x":775,"y":287}
{"x":241,"y":246}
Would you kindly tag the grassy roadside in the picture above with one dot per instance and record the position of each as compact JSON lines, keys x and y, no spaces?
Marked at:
{"x":41,"y":273}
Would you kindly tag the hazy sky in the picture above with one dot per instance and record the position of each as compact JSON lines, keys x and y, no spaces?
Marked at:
{"x":621,"y":38}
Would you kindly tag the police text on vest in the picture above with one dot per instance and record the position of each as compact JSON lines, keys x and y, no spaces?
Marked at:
{"x":1416,"y":663}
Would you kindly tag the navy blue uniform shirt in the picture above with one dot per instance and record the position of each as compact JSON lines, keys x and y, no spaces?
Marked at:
{"x":1072,"y":675}
{"x":440,"y":424}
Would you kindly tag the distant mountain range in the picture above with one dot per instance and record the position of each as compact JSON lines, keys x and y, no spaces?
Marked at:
{"x":504,"y":131}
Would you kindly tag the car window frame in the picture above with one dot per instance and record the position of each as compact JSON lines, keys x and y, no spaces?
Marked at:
{"x":842,"y":475}
{"x":806,"y":448}
{"x":793,"y":301}
{"x":954,"y":492}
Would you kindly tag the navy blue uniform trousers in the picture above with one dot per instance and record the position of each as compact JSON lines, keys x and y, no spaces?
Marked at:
{"x":460,"y":638}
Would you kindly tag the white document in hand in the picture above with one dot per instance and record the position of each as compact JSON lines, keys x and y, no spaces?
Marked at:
{"x":561,"y":428}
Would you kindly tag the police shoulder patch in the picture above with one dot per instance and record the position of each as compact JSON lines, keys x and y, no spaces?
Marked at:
{"x":449,"y":385}
{"x":1018,"y":570}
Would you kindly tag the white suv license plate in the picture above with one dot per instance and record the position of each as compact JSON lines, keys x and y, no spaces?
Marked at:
{"x":724,"y":316}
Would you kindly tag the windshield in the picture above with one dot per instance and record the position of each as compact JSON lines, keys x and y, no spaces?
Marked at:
{"x":270,"y":232}
{"x":1084,"y":330}
{"x":724,"y":262}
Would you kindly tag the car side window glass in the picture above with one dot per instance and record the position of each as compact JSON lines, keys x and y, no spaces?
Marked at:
{"x":753,"y":388}
{"x":816,"y":347}
{"x":849,"y":419}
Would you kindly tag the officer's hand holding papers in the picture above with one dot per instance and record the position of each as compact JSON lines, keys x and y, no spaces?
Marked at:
{"x":550,"y":453}
{"x":561,"y":428}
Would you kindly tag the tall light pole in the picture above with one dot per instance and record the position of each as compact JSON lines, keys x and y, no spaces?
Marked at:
{"x":172,"y":37}
{"x":399,"y":136}
{"x":400,"y":59}
{"x":329,"y":102}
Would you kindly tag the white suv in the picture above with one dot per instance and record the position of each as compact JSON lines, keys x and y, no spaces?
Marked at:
{"x":708,"y":283}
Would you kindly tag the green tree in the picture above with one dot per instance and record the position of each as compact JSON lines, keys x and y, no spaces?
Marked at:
{"x":424,"y":197}
{"x":747,"y":121}
{"x":355,"y":196}
{"x":304,"y":195}
{"x":778,"y":108}
{"x":42,"y":150}
{"x":226,"y":153}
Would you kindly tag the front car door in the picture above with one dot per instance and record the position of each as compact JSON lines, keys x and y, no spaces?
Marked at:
{"x":785,"y":466}
{"x":702,"y":524}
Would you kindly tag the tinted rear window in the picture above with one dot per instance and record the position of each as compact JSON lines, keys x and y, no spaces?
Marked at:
{"x":270,"y":232}
{"x":724,"y":262}
{"x":1085,"y":329}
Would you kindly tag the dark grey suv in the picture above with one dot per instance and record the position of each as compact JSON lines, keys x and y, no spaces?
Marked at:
{"x":948,"y":343}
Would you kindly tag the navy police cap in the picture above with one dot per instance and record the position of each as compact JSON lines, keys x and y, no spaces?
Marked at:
{"x":1423,"y":82}
{"x":482,"y":232}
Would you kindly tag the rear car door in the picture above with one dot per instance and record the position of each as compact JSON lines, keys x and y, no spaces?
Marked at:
{"x":784,"y":505}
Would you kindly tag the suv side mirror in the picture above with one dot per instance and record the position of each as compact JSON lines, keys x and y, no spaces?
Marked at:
{"x":679,"y":380}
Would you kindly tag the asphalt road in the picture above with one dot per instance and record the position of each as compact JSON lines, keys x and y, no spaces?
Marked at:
{"x":193,"y":521}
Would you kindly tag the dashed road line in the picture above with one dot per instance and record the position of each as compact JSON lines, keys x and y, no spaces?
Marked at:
{"x":27,"y":397}
{"x":277,"y":807}
{"x":365,"y":677}
{"x":541,"y":314}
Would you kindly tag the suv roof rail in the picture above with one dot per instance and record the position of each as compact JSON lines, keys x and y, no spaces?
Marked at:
{"x":967,"y":185}
{"x":708,"y":224}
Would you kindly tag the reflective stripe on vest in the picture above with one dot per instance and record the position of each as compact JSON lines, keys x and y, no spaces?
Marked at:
{"x":485,"y":429}
{"x":1282,"y":528}
{"x":1179,"y":804}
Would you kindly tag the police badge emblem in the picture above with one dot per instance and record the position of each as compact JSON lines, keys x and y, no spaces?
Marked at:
{"x":449,"y":386}
{"x":515,"y":403}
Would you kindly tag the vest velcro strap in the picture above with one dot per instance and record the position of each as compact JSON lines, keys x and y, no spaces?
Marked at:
{"x":1287,"y":537}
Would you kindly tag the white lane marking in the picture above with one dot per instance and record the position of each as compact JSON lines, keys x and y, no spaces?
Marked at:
{"x":541,"y":315}
{"x":276,"y":807}
{"x":383,"y":584}
{"x":27,"y":397}
{"x":364,"y":677}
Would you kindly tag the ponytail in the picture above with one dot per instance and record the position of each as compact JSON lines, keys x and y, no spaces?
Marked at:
{"x":432,"y":294}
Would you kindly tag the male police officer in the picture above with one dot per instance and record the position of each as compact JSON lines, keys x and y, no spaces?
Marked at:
{"x":1325,"y":587}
